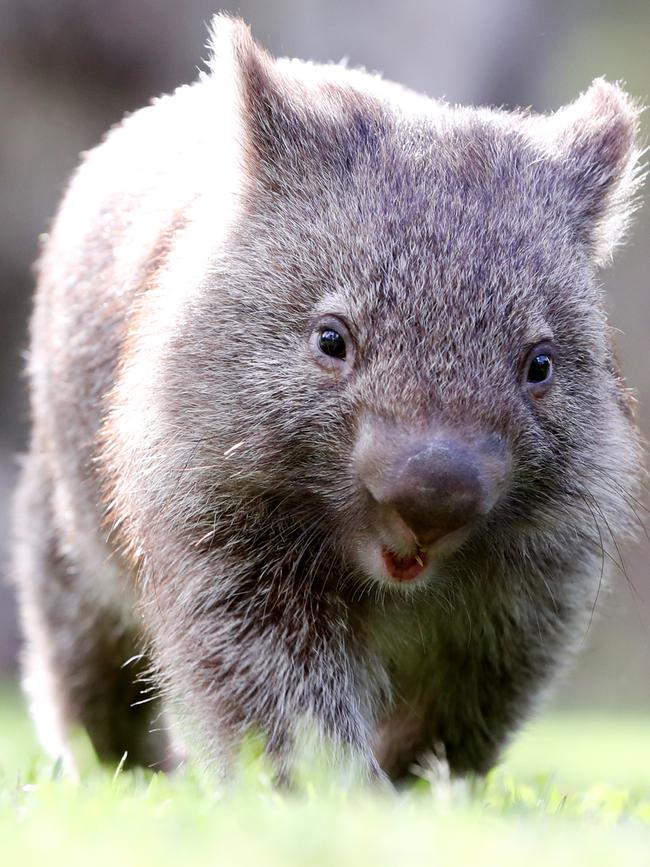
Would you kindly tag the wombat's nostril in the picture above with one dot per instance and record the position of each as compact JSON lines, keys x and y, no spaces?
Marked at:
{"x":437,"y":485}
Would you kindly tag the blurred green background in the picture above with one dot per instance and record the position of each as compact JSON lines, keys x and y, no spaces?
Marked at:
{"x":70,"y":68}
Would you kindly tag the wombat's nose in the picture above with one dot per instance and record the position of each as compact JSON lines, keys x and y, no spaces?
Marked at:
{"x":436,"y":485}
{"x":435,"y":490}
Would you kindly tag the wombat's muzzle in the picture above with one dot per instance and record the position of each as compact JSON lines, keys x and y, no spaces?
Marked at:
{"x":437,"y":483}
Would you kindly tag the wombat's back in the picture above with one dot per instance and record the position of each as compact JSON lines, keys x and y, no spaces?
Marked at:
{"x":108,"y":242}
{"x":131,"y":201}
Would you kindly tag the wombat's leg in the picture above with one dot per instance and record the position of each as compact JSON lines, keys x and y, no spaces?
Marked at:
{"x":464,"y":720}
{"x":230,"y":671}
{"x":76,"y":648}
{"x":410,"y":738}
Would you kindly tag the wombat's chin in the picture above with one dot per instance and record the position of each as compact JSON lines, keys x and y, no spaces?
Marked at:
{"x":405,"y":567}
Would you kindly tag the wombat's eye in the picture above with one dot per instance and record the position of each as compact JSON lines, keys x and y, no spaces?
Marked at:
{"x":539,"y":370}
{"x":332,"y":345}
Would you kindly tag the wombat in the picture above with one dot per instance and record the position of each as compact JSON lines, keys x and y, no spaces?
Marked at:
{"x":328,"y":428}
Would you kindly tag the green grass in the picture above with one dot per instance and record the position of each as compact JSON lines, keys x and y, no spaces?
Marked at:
{"x":573,"y":790}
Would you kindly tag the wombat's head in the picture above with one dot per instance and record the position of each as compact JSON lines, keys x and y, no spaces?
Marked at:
{"x":402,"y":352}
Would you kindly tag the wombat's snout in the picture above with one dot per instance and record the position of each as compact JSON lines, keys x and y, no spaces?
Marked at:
{"x":437,"y":483}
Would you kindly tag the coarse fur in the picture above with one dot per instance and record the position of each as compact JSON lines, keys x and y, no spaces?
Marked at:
{"x":191,"y":504}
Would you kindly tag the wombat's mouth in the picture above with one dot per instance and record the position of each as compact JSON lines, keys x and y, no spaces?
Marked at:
{"x":396,"y":561}
{"x":404,"y":568}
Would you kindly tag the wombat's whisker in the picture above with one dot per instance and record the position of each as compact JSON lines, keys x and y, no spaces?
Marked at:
{"x":632,"y":501}
{"x":620,"y":563}
{"x":233,"y":449}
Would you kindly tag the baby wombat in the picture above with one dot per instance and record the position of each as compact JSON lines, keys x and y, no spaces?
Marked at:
{"x":327,"y":423}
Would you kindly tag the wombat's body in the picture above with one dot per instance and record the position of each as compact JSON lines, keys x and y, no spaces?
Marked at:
{"x":289,"y":439}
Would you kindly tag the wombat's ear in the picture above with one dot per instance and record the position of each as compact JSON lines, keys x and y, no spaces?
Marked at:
{"x":594,"y":141}
{"x":273,"y":110}
{"x":288,"y":116}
